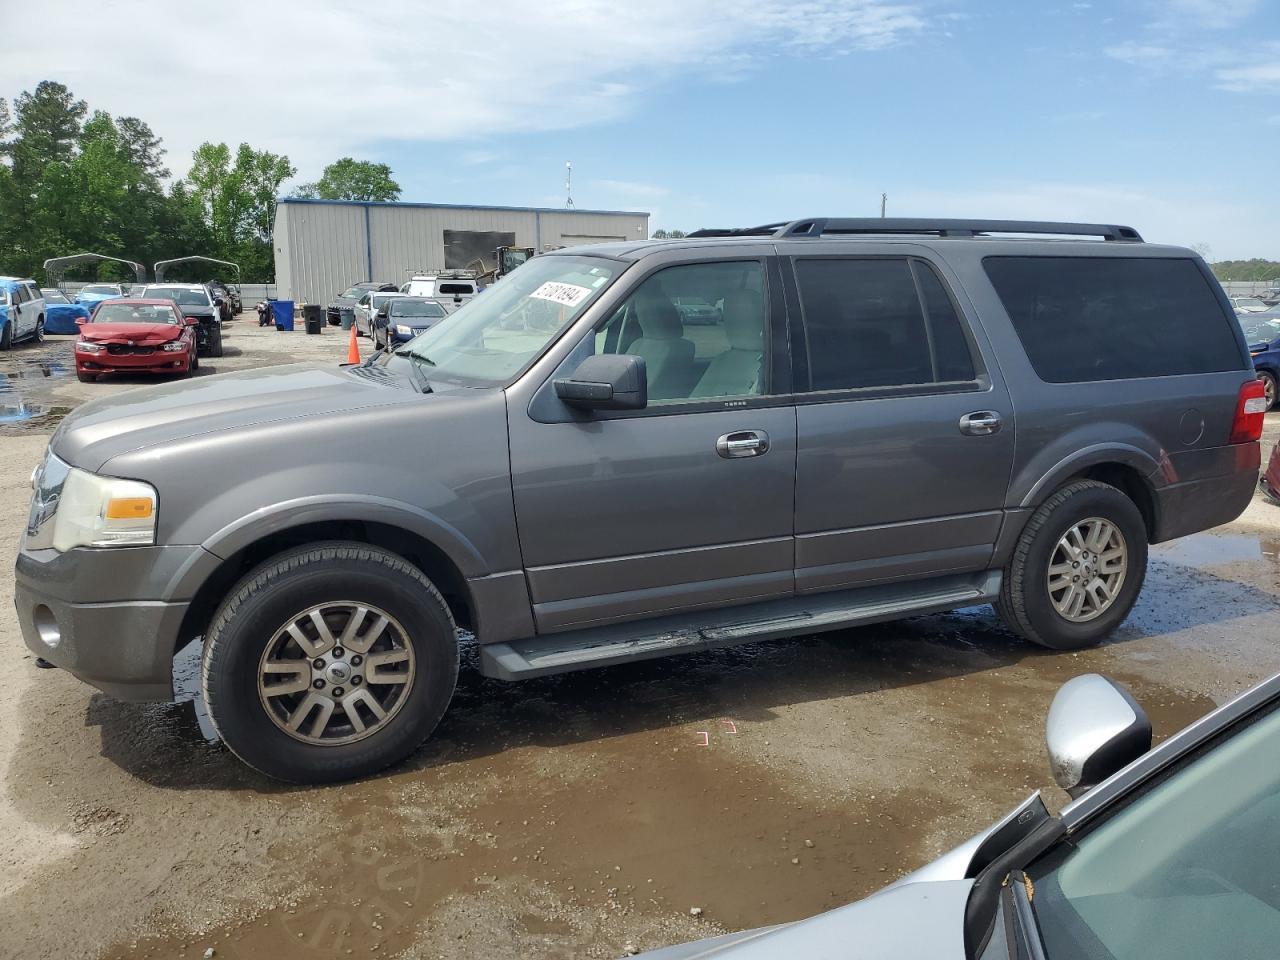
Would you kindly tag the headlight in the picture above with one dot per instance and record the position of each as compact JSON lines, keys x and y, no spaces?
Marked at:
{"x":174,"y":347}
{"x":94,"y":511}
{"x":84,"y":346}
{"x":403,"y":330}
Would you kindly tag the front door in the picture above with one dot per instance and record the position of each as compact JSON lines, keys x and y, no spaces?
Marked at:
{"x":683,"y":505}
{"x":905,"y":434}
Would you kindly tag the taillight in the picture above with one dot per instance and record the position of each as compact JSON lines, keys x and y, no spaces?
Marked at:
{"x":1251,"y":410}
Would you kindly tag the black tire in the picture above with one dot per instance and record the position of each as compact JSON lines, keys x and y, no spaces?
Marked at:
{"x":215,"y":342}
{"x":38,"y":336}
{"x":265,"y":600}
{"x":86,"y":377}
{"x":194,"y":365}
{"x":6,"y":336}
{"x":1025,"y":604}
{"x":1269,"y":385}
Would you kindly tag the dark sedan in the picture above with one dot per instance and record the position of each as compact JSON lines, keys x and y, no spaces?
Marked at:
{"x":1262,"y":332}
{"x":402,"y":318}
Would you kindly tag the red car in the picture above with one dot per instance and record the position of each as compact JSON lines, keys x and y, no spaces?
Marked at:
{"x":136,"y":336}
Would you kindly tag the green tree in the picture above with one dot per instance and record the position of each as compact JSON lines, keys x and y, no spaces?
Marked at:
{"x":668,"y":235}
{"x":349,"y":179}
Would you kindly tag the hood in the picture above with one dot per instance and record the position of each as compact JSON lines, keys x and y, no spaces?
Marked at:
{"x":97,"y":431}
{"x":914,"y":920}
{"x":140,"y":333}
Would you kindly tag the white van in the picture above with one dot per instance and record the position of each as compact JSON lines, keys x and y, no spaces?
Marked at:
{"x":442,"y":286}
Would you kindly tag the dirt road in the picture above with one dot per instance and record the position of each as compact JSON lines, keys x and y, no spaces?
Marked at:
{"x":582,"y":815}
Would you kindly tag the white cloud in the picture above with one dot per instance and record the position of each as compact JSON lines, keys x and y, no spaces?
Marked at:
{"x":1259,"y":78}
{"x":1212,"y":14}
{"x":1139,"y":54}
{"x":320,"y":79}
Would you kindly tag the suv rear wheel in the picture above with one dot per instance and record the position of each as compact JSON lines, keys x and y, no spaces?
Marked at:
{"x":1077,"y":569}
{"x":329,"y":663}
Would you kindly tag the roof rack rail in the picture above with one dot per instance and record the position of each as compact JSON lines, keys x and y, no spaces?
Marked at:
{"x":767,"y":230}
{"x":825,"y":226}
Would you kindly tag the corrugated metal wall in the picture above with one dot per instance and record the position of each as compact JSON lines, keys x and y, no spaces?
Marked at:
{"x":321,"y":248}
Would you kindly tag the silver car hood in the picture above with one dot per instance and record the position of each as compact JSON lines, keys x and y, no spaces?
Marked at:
{"x":915,"y":920}
{"x":97,"y":431}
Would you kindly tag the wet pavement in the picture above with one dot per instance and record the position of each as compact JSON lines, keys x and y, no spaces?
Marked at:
{"x":587,"y":814}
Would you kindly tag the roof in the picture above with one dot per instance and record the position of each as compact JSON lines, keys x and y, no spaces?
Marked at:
{"x":141,"y":302}
{"x":464,"y":206}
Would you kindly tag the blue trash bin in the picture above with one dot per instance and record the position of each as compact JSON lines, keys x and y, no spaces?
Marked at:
{"x":282,"y":310}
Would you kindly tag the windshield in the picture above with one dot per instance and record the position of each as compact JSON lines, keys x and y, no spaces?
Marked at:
{"x":53,"y":296}
{"x":417,"y":308}
{"x":101,"y":288}
{"x":134,"y":313}
{"x":186,"y":298}
{"x":378,"y":299}
{"x":354,"y":293}
{"x":1249,"y":302}
{"x":1184,"y":872}
{"x":494,"y":337}
{"x":1259,"y":327}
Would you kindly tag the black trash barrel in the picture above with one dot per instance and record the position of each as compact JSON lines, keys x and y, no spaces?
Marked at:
{"x":313,"y":317}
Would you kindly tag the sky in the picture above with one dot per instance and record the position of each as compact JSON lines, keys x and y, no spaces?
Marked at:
{"x":1160,"y":114}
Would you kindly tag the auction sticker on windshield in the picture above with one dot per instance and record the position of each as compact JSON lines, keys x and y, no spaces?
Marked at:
{"x":565,"y":294}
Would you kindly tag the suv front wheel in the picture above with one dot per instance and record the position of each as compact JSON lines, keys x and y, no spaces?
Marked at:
{"x":1077,"y":568}
{"x":329,"y":663}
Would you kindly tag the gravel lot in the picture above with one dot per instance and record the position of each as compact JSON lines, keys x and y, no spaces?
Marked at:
{"x":570,"y":816}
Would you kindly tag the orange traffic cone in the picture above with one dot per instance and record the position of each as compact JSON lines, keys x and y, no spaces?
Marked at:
{"x":353,"y":348}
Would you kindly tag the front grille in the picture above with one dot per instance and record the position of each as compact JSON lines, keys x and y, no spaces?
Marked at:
{"x":122,"y":349}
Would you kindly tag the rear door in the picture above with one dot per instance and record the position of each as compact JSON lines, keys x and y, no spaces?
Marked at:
{"x":685,"y":504}
{"x":904,"y":430}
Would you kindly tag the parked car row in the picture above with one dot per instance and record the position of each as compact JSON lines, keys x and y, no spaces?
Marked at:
{"x":391,"y":318}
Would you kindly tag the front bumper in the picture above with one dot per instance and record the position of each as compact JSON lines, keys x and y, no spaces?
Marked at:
{"x":153,"y":361}
{"x":113,"y":618}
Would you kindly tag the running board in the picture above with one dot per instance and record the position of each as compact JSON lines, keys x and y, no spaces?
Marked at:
{"x":725,"y":627}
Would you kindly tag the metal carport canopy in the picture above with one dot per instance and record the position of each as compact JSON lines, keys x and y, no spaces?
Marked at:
{"x":56,"y":266}
{"x":162,"y":265}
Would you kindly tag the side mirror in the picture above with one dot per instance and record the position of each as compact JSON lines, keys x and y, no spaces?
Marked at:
{"x":191,"y":321}
{"x":607,"y":381}
{"x":1094,"y":729}
{"x":81,"y":321}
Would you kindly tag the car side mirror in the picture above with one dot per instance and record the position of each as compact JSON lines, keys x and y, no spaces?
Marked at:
{"x":607,"y":381}
{"x":81,"y":321}
{"x":191,"y":321}
{"x":1095,"y":728}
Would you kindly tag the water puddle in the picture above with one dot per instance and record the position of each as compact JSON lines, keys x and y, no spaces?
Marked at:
{"x":28,"y":381}
{"x":1216,"y":549}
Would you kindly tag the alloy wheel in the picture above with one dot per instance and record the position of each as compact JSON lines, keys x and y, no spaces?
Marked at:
{"x":336,"y":673}
{"x":1087,"y":569}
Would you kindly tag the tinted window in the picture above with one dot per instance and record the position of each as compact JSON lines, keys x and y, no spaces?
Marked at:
{"x":700,"y":329}
{"x":452,"y":288}
{"x":416,"y":308}
{"x":867,"y":327}
{"x":1114,"y":318}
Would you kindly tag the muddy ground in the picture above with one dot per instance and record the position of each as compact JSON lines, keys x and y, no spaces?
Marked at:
{"x":570,"y":816}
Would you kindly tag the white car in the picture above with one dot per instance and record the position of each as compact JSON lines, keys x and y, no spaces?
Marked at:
{"x":23,"y":305}
{"x":1248,"y":304}
{"x":367,"y":306}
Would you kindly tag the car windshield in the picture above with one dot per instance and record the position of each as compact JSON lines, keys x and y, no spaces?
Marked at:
{"x":101,"y":288}
{"x":1187,"y":870}
{"x":1260,"y":326}
{"x":378,"y":299}
{"x":134,"y":313}
{"x":182,"y":297}
{"x":494,"y":337}
{"x":53,"y":296}
{"x":355,"y":293}
{"x":1249,"y":302}
{"x":417,"y":308}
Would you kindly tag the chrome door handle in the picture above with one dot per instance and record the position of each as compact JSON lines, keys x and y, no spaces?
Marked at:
{"x":980,"y":424}
{"x":743,"y":443}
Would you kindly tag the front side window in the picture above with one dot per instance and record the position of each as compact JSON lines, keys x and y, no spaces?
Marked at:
{"x":492,"y":338}
{"x":879,"y":322}
{"x":700,"y":328}
{"x":134,"y":313}
{"x":1083,"y":319}
{"x":1189,"y":870}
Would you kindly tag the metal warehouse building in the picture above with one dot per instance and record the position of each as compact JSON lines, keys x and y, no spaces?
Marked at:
{"x":323,"y":246}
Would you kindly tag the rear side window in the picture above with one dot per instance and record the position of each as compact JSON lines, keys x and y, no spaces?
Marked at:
{"x":1082,"y":319}
{"x":879,"y":323}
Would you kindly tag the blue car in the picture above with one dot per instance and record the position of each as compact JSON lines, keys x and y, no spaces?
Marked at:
{"x":401,"y":319}
{"x":60,"y":313}
{"x":1262,"y":332}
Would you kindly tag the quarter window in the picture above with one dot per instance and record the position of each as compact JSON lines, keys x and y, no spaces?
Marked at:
{"x":880,"y":322}
{"x":1113,"y":318}
{"x":699,"y":327}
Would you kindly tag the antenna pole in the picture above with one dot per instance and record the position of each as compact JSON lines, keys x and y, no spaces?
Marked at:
{"x":884,"y":200}
{"x":568,"y":184}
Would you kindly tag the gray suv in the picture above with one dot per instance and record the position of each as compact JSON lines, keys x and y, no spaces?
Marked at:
{"x":873,"y":419}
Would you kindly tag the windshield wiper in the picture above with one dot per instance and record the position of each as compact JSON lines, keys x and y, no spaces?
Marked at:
{"x":419,"y":378}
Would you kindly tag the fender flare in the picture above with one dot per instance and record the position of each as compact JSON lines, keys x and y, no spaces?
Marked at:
{"x":1092,"y":456}
{"x":301,"y":511}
